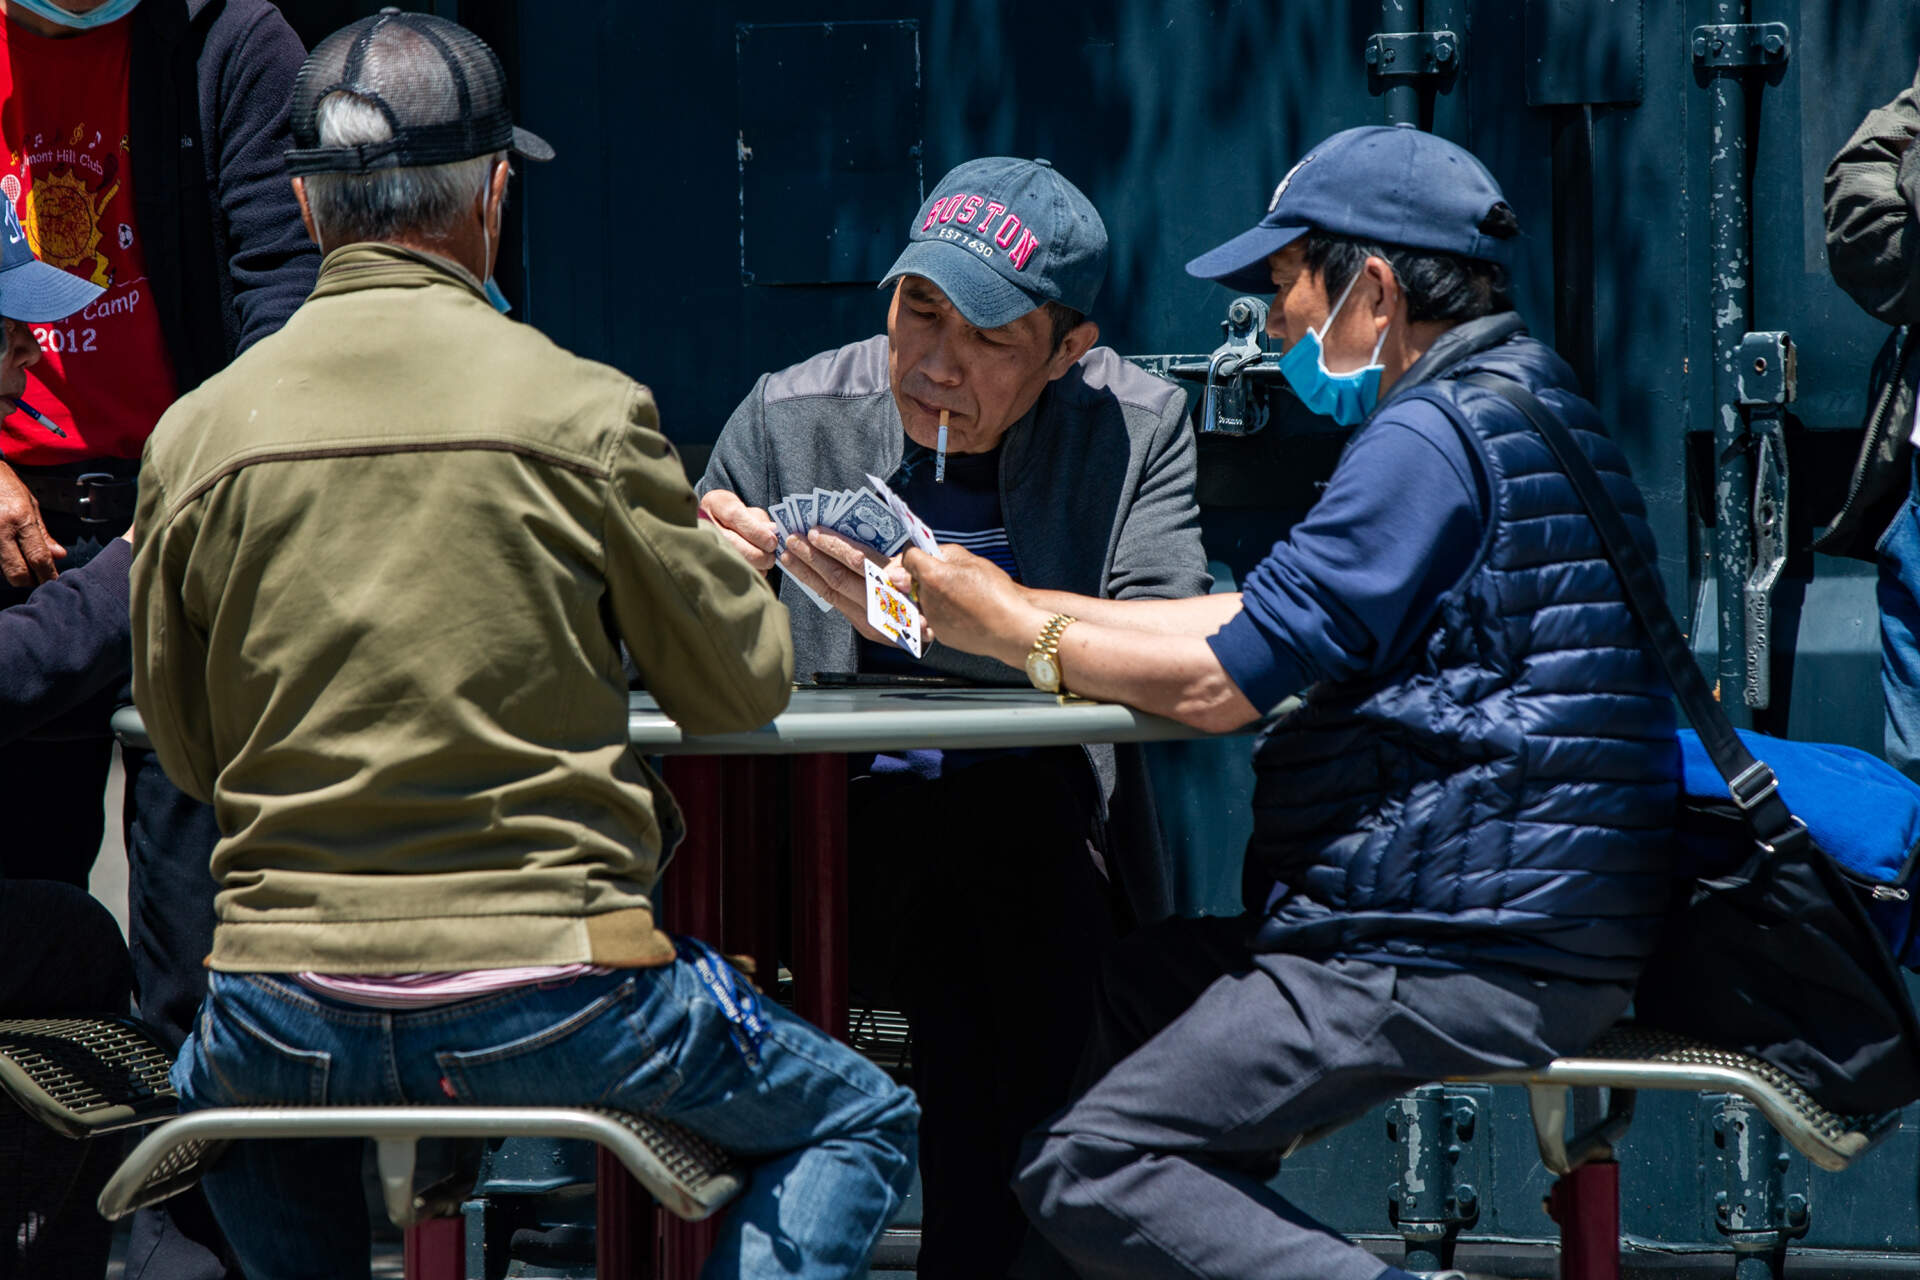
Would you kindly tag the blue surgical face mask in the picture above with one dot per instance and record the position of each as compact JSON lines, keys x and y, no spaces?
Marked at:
{"x":111,"y":11}
{"x":1348,"y":397}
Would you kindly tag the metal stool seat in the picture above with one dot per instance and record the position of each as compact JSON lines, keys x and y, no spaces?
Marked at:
{"x":85,"y":1076}
{"x":690,"y":1177}
{"x":1630,"y":1057}
{"x":1585,"y":1199}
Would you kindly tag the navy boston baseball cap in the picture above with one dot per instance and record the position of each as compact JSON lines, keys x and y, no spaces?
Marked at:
{"x":1000,"y":236}
{"x":31,"y":289}
{"x":1390,"y":184}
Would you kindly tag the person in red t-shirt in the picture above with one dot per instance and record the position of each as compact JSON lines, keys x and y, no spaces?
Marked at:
{"x":142,"y":148}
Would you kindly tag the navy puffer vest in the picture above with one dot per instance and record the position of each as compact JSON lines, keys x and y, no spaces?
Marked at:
{"x":1506,"y":795}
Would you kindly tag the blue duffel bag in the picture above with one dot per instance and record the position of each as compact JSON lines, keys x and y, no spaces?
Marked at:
{"x":1860,"y":809}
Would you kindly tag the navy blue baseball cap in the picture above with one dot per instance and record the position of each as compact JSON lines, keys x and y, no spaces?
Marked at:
{"x":29,"y":288}
{"x":1000,"y":236}
{"x":1390,"y":184}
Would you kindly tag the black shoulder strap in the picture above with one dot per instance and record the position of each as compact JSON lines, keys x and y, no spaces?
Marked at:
{"x":1749,"y":781}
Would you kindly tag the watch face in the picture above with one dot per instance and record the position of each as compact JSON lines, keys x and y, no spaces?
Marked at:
{"x":1045,"y":672}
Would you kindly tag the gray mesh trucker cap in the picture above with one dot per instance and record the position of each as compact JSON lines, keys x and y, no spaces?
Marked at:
{"x":438,"y":85}
{"x":1000,"y":236}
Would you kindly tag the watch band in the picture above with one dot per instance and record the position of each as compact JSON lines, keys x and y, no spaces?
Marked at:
{"x":1045,"y":655}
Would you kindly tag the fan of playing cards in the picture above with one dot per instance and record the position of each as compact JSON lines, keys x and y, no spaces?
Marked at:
{"x":877,"y":518}
{"x":853,"y":513}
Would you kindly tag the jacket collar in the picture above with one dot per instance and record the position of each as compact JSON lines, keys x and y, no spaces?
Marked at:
{"x":1469,"y":338}
{"x":377,"y":264}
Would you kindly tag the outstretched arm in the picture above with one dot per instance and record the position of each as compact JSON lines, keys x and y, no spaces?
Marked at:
{"x":66,"y":643}
{"x":1163,"y":665}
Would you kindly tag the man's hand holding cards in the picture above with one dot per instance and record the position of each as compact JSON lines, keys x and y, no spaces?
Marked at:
{"x":833,"y":542}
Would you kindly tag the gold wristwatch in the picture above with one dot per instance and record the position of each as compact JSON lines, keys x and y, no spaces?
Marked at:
{"x":1043,"y":661}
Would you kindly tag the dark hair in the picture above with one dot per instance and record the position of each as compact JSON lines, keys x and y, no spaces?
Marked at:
{"x":1065,"y":320}
{"x":1439,"y":286}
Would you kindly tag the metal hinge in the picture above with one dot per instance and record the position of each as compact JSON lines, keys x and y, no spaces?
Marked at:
{"x":1392,"y":54}
{"x":1766,"y":369}
{"x":1741,"y":44}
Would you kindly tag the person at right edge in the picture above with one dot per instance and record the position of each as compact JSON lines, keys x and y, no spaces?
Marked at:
{"x":1872,"y":192}
{"x":1460,"y":845}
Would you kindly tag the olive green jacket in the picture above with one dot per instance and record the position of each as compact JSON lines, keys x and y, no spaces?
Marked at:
{"x":381,"y":566}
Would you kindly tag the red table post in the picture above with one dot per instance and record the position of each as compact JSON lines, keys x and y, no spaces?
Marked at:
{"x":693,"y":894}
{"x":1586,"y":1204}
{"x":621,"y":1210}
{"x":692,"y":889}
{"x":820,"y":891}
{"x":751,"y":899}
{"x":435,"y":1249}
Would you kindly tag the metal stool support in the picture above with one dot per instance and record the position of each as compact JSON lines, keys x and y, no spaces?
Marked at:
{"x":687,"y":1175}
{"x":1585,"y":1200}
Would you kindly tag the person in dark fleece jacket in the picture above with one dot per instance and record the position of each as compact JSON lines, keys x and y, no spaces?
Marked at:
{"x":1460,"y":835}
{"x":166,"y":122}
{"x":63,"y":955}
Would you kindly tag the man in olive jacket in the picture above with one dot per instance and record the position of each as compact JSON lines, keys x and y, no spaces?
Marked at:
{"x":383,"y":565}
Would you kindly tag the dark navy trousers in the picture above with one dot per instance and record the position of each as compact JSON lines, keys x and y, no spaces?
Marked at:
{"x":1207,"y":1059}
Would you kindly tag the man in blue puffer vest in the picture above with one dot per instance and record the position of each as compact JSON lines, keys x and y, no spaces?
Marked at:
{"x":1460,"y":835}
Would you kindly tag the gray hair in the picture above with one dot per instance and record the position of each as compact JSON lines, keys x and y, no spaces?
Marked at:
{"x":428,"y":200}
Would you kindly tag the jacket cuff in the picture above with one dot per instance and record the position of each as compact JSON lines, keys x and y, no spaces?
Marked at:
{"x":1264,"y":670}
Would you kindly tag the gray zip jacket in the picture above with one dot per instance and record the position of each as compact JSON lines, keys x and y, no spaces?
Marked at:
{"x":1096,"y":488}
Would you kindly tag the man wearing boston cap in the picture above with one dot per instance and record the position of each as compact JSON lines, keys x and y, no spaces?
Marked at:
{"x":383,"y":564}
{"x":1457,"y":863}
{"x":1071,"y":469}
{"x":62,"y":650}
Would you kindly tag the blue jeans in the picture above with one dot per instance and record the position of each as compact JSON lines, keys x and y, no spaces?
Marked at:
{"x":830,"y":1139}
{"x":1899,"y":594}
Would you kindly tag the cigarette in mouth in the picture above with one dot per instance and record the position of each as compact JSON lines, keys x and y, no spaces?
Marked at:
{"x":940,"y":455}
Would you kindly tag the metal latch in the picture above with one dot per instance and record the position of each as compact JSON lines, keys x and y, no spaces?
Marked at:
{"x":1766,"y":375}
{"x":1226,"y":409}
{"x":1742,"y":44}
{"x":1392,"y":54}
{"x":1769,"y":553}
